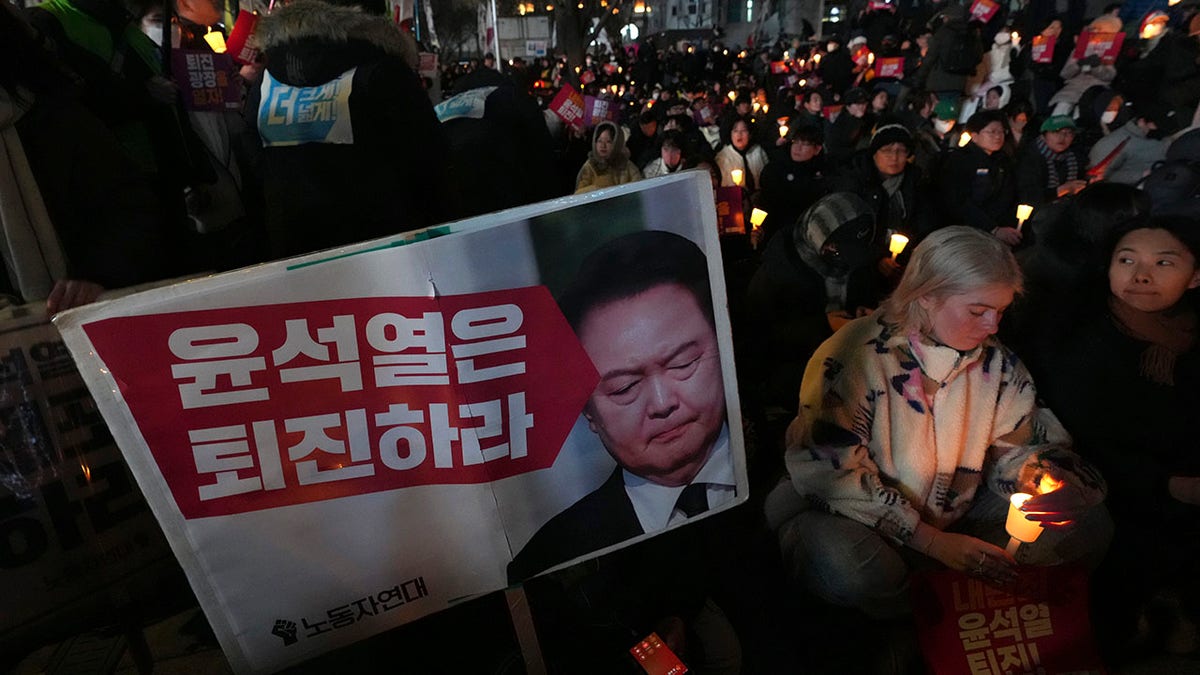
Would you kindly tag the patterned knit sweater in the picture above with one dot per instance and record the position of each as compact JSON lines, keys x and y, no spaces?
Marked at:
{"x":898,"y":431}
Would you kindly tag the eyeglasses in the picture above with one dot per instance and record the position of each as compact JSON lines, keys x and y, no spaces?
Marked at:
{"x":991,"y":132}
{"x":895,"y":152}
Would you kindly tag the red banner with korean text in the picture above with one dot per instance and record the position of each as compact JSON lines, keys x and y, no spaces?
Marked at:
{"x":568,"y":105}
{"x":984,"y":10}
{"x":238,"y":45}
{"x":1042,"y":49}
{"x":892,"y":67}
{"x":731,"y":219}
{"x":1039,"y":625}
{"x":295,"y":403}
{"x":346,"y":441}
{"x":1107,"y":46}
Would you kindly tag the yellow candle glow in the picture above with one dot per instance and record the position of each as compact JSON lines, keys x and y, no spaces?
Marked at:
{"x":1048,"y":483}
{"x":1019,"y":527}
{"x":870,"y":58}
{"x":816,"y":58}
{"x":736,"y":176}
{"x":897,"y":244}
{"x":215,"y":40}
{"x":766,"y":107}
{"x":756,"y":106}
{"x":783,"y":129}
{"x":964,"y":139}
{"x":757,"y":217}
{"x":1023,"y":213}
{"x":732,"y":95}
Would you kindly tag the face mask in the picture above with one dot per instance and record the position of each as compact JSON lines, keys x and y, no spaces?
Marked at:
{"x":1108,"y":116}
{"x":943,"y":126}
{"x":154,"y":33}
{"x":831,"y":47}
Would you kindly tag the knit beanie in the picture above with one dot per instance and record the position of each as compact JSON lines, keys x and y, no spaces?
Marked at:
{"x":891,"y":133}
{"x":842,"y":221}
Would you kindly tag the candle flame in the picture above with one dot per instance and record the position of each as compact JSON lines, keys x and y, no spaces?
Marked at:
{"x":757,"y":217}
{"x":964,"y":139}
{"x":736,"y":176}
{"x":1048,"y":483}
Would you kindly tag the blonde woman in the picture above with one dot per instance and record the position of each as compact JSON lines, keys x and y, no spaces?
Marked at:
{"x":915,"y":425}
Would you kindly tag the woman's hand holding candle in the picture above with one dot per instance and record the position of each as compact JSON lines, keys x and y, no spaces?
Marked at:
{"x":1057,"y":507}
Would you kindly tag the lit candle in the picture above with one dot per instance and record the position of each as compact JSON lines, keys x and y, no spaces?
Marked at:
{"x":215,"y":40}
{"x":736,"y":176}
{"x":870,"y":58}
{"x":1021,"y":529}
{"x":766,"y":107}
{"x":1023,"y":213}
{"x":816,"y":59}
{"x":756,"y":106}
{"x":757,"y":217}
{"x":783,"y":129}
{"x":897,"y":244}
{"x":964,"y":139}
{"x":732,"y":95}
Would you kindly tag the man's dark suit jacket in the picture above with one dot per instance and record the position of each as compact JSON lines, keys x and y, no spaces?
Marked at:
{"x":600,"y":519}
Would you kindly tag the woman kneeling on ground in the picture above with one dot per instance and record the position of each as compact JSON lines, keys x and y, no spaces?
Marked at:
{"x":904,"y":416}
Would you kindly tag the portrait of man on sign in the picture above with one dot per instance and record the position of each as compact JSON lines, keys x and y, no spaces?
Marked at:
{"x":641,"y":306}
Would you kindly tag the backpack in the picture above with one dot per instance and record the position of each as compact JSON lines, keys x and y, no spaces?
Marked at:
{"x":964,"y":54}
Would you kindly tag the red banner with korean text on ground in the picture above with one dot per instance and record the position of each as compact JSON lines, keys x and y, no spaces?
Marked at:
{"x":1042,"y":49}
{"x":1106,"y":46}
{"x":568,"y":105}
{"x":1039,"y":625}
{"x":344,"y":442}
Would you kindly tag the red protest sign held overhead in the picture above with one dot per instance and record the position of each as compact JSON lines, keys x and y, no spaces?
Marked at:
{"x":892,"y":67}
{"x":1107,"y":46}
{"x":250,"y":408}
{"x":568,"y":105}
{"x":1042,"y":49}
{"x":984,"y":10}
{"x":238,"y":43}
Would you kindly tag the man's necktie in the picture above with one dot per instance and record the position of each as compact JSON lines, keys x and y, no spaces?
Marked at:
{"x":693,"y":500}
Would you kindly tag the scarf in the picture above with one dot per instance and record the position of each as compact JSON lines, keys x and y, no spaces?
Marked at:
{"x":1170,"y":333}
{"x":747,"y":176}
{"x":1053,"y":159}
{"x":29,"y":245}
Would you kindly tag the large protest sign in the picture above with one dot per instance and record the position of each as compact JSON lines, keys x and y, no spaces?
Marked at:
{"x":1038,"y":625}
{"x":75,"y":532}
{"x":344,"y":442}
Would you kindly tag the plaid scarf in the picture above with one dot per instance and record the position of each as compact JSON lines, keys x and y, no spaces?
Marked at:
{"x":1053,"y":160}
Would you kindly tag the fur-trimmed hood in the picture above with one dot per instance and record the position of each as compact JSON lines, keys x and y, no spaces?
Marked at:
{"x":314,"y":38}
